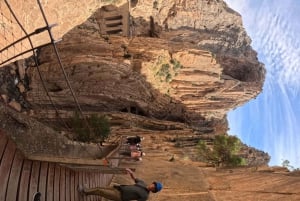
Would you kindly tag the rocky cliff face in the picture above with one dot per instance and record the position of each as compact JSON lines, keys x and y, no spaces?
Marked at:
{"x":168,"y":62}
{"x":181,"y":61}
{"x":177,"y":62}
{"x":162,"y":69}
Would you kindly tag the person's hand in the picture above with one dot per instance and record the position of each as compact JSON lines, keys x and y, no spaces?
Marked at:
{"x":129,"y":170}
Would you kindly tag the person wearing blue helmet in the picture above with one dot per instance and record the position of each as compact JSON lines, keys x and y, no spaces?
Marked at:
{"x":138,"y":191}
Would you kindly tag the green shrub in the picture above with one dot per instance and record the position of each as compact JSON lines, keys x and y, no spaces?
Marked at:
{"x":166,"y":71}
{"x":176,"y":64}
{"x":224,"y":151}
{"x":92,"y":129}
{"x":100,"y":127}
{"x":80,"y":131}
{"x":168,"y":77}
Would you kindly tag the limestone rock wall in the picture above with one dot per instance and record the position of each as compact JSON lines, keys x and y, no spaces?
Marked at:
{"x":186,"y":62}
{"x":171,"y":69}
{"x":181,"y":61}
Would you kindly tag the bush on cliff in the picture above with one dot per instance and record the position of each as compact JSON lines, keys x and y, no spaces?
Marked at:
{"x":223,"y":151}
{"x":92,"y":129}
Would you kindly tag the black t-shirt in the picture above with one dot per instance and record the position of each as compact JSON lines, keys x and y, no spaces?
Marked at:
{"x":138,"y":191}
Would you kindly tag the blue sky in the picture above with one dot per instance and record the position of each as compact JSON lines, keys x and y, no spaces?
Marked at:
{"x":271,"y":122}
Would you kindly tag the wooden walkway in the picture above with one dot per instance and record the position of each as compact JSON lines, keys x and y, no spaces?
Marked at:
{"x":21,"y":178}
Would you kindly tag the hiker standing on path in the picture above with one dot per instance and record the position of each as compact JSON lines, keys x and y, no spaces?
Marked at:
{"x":139,"y":191}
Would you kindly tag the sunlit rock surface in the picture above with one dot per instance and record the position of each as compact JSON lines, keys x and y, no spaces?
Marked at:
{"x":166,"y":69}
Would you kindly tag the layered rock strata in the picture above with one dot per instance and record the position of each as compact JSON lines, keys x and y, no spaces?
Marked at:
{"x":161,"y":65}
{"x":181,"y":62}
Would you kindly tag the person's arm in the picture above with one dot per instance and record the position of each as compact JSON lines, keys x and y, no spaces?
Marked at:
{"x":129,"y":171}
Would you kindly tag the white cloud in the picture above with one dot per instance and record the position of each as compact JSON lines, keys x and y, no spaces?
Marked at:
{"x":285,"y":141}
{"x":271,"y":26}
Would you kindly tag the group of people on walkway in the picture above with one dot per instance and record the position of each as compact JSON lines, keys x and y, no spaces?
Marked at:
{"x":133,"y":148}
{"x":138,"y":191}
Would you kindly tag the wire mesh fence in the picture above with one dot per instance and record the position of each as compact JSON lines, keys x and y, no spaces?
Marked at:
{"x":18,"y":40}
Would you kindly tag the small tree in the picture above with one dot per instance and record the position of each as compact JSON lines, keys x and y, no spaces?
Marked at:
{"x":224,"y":151}
{"x":81,"y":132}
{"x":100,"y":127}
{"x":286,"y":163}
{"x":205,"y":153}
{"x":94,"y":128}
